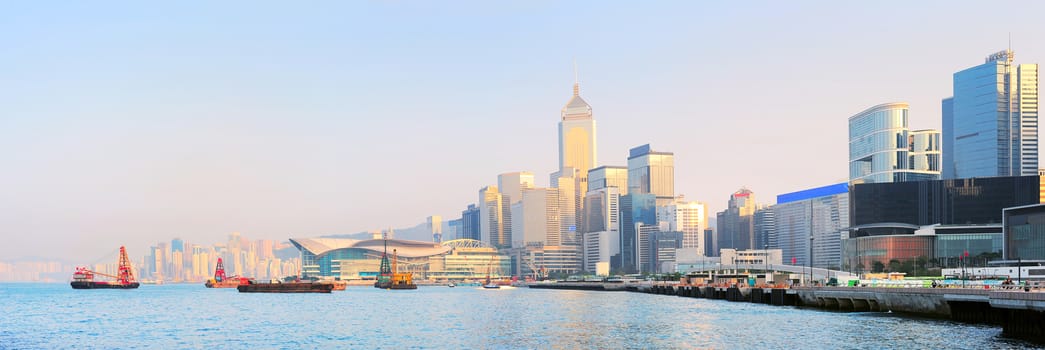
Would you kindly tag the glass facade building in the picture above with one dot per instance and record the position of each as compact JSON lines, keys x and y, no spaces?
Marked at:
{"x":735,"y":225}
{"x":812,"y":219}
{"x":1024,"y":232}
{"x":947,"y":167}
{"x":469,"y":223}
{"x":946,"y":202}
{"x":873,"y":253}
{"x":994,"y":119}
{"x":636,"y":210}
{"x":608,"y":176}
{"x":651,"y":172}
{"x":882,"y":149}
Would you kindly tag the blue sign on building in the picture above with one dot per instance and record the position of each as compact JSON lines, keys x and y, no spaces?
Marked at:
{"x":813,"y":193}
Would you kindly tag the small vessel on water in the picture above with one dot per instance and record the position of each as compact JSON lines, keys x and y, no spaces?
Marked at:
{"x":291,"y":287}
{"x":490,"y":284}
{"x":389,"y":277}
{"x":84,"y":278}
{"x":338,"y":284}
{"x":220,"y":281}
{"x":451,"y":284}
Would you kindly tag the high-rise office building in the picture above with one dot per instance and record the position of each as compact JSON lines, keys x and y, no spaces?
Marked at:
{"x":765,"y":227}
{"x":535,"y":218}
{"x":601,"y":229}
{"x":434,"y":224}
{"x":993,"y":119}
{"x":495,"y":225}
{"x":924,"y":156}
{"x":513,"y":184}
{"x":577,"y":155}
{"x":816,"y":218}
{"x":947,"y":146}
{"x":608,"y":176}
{"x":570,"y":205}
{"x":710,"y":242}
{"x":883,"y":149}
{"x":577,"y":135}
{"x":735,"y":224}
{"x":652,"y":172}
{"x":470,"y":224}
{"x":689,"y":218}
{"x":636,"y":209}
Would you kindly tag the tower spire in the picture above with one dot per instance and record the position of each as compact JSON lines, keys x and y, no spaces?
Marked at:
{"x":576,"y":81}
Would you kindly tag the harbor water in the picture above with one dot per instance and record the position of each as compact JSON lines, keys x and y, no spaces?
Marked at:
{"x":54,"y":316}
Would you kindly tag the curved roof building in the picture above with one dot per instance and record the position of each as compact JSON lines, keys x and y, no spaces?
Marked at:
{"x":321,"y":247}
{"x":360,"y":259}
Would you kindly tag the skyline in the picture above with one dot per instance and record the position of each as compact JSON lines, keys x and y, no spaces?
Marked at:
{"x":169,"y":125}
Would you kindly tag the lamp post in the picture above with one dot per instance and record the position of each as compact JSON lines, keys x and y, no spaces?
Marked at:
{"x":1019,"y":270}
{"x":765,"y":253}
{"x":810,"y":259}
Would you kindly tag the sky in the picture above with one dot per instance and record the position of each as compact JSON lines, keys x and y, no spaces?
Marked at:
{"x":125,"y":123}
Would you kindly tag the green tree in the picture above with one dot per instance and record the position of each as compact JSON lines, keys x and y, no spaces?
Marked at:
{"x":921,"y":263}
{"x":877,"y":267}
{"x":908,"y":267}
{"x":894,"y":265}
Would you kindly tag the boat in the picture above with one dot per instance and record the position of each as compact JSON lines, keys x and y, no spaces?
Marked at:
{"x":389,"y":277}
{"x":83,"y":278}
{"x":451,"y":285}
{"x":220,"y":281}
{"x":338,"y":284}
{"x":490,"y":284}
{"x":290,"y":287}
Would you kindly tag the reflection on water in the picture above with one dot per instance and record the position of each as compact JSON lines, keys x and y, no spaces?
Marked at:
{"x":190,"y":316}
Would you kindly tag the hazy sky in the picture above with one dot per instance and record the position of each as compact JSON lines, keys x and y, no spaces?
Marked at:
{"x":130,"y":123}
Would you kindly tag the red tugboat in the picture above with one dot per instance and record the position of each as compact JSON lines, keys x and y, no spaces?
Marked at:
{"x":84,"y":278}
{"x":220,"y":281}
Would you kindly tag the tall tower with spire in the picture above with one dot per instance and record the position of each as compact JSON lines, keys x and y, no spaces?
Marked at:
{"x":576,"y":157}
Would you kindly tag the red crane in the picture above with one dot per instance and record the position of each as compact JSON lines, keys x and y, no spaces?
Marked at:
{"x":125,"y":275}
{"x":219,"y":271}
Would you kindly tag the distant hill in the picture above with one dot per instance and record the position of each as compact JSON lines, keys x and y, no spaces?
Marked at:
{"x":418,"y":232}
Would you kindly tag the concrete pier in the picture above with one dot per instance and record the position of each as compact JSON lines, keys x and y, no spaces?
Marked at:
{"x":1021,"y":314}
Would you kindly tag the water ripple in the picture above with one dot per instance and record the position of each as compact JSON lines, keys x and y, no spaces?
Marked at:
{"x":53,"y":316}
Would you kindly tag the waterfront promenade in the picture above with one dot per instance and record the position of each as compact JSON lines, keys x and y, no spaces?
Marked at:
{"x":1020,"y":312}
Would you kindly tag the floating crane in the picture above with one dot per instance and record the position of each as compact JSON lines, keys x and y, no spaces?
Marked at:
{"x":83,"y":278}
{"x":222,"y":281}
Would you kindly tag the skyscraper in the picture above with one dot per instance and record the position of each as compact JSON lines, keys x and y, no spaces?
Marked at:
{"x":535,"y":218}
{"x":765,"y":227}
{"x":470,"y":224}
{"x":994,"y":119}
{"x":947,"y":109}
{"x":608,"y":176}
{"x":636,"y":209}
{"x":882,"y":149}
{"x":689,"y":218}
{"x":577,"y":135}
{"x":735,"y":224}
{"x":814,"y":218}
{"x":577,"y":155}
{"x":513,"y":184}
{"x":651,"y":172}
{"x":569,"y":205}
{"x":434,"y":224}
{"x":494,"y":218}
{"x":601,"y":230}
